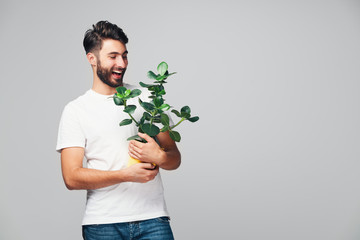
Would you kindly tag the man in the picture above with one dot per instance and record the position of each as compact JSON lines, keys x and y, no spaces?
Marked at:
{"x":122,"y":202}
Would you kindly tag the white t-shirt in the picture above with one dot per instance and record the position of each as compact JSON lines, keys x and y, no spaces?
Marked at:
{"x":92,"y":121}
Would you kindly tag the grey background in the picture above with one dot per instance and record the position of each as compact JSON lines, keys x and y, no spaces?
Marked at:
{"x":275,"y":154}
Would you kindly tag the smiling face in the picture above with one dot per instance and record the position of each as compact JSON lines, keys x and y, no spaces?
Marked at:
{"x":111,"y":63}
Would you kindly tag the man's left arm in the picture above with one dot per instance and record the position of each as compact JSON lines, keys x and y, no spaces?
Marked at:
{"x":166,"y":156}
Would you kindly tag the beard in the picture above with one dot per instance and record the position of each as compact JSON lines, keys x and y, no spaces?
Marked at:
{"x":105,"y":75}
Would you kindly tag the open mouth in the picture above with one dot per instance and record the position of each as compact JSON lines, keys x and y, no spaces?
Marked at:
{"x":117,"y":74}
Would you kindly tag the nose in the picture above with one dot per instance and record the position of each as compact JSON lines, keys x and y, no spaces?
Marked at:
{"x":121,"y":62}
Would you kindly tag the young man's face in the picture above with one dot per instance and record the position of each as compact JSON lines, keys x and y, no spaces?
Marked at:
{"x":112,"y":62}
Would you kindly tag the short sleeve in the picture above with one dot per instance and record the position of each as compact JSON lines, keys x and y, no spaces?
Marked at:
{"x":70,"y":133}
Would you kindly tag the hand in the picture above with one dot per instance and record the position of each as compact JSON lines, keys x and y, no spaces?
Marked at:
{"x":149,"y":152}
{"x":141,"y":172}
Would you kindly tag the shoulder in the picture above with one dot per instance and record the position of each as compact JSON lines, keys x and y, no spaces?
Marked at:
{"x":76,"y":104}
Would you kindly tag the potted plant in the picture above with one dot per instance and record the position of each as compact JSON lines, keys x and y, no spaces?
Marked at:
{"x":155,"y":118}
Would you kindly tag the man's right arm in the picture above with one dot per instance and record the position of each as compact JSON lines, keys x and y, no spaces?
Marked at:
{"x":77,"y":177}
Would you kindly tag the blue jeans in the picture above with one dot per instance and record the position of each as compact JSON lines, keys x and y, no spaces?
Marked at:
{"x":152,"y":229}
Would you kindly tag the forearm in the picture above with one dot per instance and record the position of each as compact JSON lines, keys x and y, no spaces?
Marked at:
{"x":170,"y":160}
{"x":85,"y":178}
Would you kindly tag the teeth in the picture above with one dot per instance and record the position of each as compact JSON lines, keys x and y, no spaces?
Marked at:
{"x":118,"y":72}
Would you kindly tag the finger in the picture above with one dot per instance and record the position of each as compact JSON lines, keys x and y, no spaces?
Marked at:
{"x":149,"y":166}
{"x":135,"y":143}
{"x":146,"y":137}
{"x":134,"y":155}
{"x":133,"y":146}
{"x":156,"y":170}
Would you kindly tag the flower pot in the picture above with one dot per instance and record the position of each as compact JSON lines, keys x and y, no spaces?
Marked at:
{"x":132,"y":161}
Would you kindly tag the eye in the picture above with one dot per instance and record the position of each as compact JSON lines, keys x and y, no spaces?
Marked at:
{"x":112,"y":57}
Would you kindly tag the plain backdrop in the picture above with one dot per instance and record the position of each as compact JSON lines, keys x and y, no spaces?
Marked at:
{"x":275,"y":155}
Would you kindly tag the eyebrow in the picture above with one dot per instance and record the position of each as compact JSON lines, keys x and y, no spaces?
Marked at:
{"x":117,"y":53}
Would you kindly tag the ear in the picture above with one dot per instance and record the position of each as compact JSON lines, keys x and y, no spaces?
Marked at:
{"x":91,"y":58}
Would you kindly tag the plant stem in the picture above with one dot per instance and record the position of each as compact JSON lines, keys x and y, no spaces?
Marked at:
{"x":182,"y":119}
{"x":137,"y":124}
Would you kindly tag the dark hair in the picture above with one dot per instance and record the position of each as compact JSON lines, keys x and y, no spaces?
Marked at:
{"x":101,"y":31}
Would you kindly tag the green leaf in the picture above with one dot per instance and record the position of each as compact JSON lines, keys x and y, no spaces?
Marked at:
{"x":162,"y":92}
{"x":169,"y":74}
{"x":145,"y":85}
{"x":162,"y":68}
{"x":160,"y":78}
{"x":121,"y":90}
{"x":142,"y":121}
{"x":135,"y":93}
{"x":176,"y":112}
{"x":151,"y":75}
{"x":118,"y":101}
{"x":165,"y":128}
{"x":147,"y":116}
{"x":185,"y":115}
{"x":130,"y":109}
{"x":164,"y":107}
{"x":137,"y":138}
{"x":147,"y":106}
{"x":185,"y":109}
{"x":161,"y":81}
{"x":165,"y":119}
{"x":124,"y":95}
{"x":185,"y":112}
{"x":158,"y":101}
{"x":125,"y":122}
{"x":150,"y":129}
{"x":175,"y":136}
{"x":156,"y":120}
{"x":158,"y":88}
{"x":127,"y":92}
{"x":133,"y":137}
{"x":193,"y":119}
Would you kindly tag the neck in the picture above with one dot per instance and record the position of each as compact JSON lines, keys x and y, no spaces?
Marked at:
{"x":102,"y":88}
